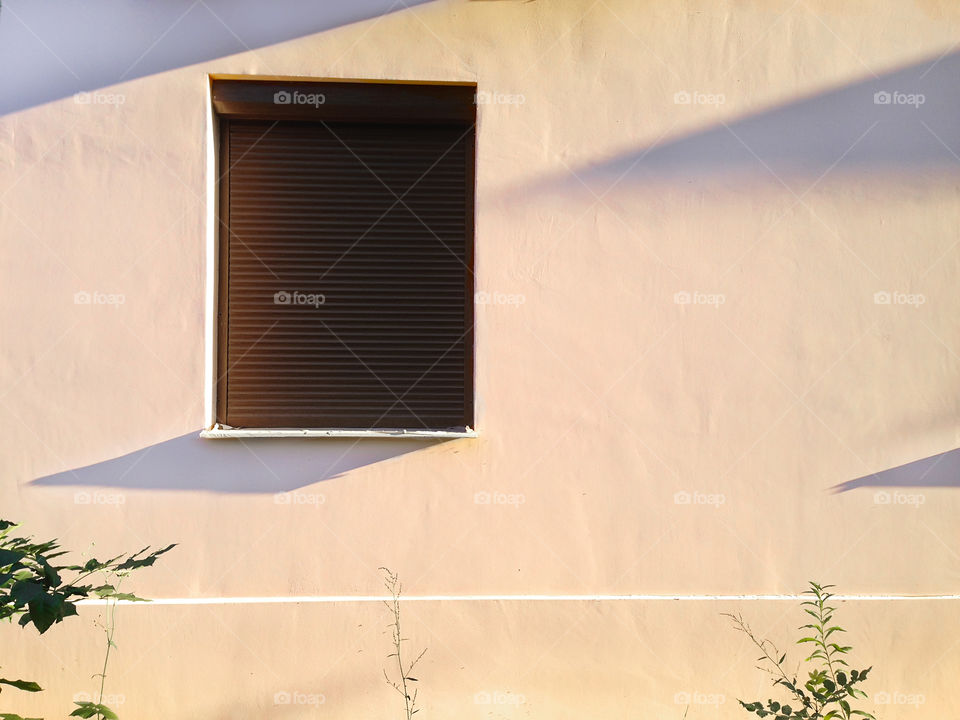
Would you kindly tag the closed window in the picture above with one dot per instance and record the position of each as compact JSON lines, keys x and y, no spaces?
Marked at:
{"x":345,"y":255}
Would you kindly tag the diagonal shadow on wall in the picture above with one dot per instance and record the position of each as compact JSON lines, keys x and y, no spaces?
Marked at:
{"x":905,"y":120}
{"x":261,"y":465}
{"x":52,"y":50}
{"x":942,"y":470}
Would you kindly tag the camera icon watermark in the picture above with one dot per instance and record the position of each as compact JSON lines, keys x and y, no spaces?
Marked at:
{"x":295,"y":697}
{"x":894,"y":97}
{"x":300,"y":498}
{"x":695,"y":97}
{"x":499,"y":697}
{"x":295,"y":297}
{"x":99,"y":98}
{"x":488,"y":97}
{"x":684,"y":497}
{"x":296,"y":97}
{"x":886,"y":297}
{"x":95,"y":297}
{"x":914,"y":500}
{"x":112,"y":701}
{"x":696,"y":697}
{"x":900,"y":698}
{"x":484,"y":297}
{"x":495,"y":497}
{"x":685,"y":297}
{"x":99,"y":497}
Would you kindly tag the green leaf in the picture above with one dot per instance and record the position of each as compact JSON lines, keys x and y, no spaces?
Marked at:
{"x":9,"y":557}
{"x":46,"y":610}
{"x":27,"y":685}
{"x":24,"y":591}
{"x":104,"y":591}
{"x":50,"y":575}
{"x":88,"y":709}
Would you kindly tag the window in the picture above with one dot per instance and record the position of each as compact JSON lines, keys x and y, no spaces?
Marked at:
{"x":345,"y":255}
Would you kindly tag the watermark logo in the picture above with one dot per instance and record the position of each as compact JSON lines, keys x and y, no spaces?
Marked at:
{"x":487,"y":97}
{"x":498,"y":697}
{"x":82,"y":297}
{"x":99,"y":497}
{"x":300,"y":498}
{"x":695,"y":97}
{"x":498,"y":298}
{"x":685,"y":297}
{"x":914,"y":500}
{"x":885,"y":97}
{"x":900,"y":698}
{"x":111,"y":701}
{"x":295,"y":97}
{"x":885,"y":297}
{"x":298,"y":698}
{"x":485,"y":497}
{"x":699,"y":698}
{"x":99,"y":98}
{"x":684,"y":497}
{"x":295,"y":297}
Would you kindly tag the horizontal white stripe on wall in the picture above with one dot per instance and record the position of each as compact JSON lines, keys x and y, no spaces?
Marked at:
{"x":502,"y":598}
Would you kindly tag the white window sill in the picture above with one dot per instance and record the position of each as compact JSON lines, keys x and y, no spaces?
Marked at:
{"x":218,"y":432}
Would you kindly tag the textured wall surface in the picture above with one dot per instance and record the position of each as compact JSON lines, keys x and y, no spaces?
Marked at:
{"x":717,"y":245}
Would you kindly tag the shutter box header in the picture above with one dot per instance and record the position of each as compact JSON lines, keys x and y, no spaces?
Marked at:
{"x":259,"y":98}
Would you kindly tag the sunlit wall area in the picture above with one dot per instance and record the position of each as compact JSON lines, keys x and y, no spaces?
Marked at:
{"x":716,"y":357}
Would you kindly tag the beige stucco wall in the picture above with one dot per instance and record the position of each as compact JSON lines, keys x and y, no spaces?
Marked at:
{"x":604,"y":403}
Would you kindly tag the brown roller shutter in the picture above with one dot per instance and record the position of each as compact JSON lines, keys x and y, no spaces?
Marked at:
{"x":346,"y":296}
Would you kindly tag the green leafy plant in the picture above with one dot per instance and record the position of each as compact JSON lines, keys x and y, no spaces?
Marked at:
{"x":41,"y":593}
{"x":831,"y":684}
{"x":111,"y":593}
{"x":403,"y":683}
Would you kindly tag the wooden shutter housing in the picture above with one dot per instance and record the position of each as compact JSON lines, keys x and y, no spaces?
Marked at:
{"x":345,"y":296}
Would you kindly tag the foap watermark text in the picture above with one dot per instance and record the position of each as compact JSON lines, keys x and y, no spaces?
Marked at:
{"x":297,"y":298}
{"x":684,"y":497}
{"x":486,"y":497}
{"x":685,"y":297}
{"x":887,"y":297}
{"x":296,"y":97}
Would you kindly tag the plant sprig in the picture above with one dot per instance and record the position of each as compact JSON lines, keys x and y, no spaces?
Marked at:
{"x":403,"y":684}
{"x":830,"y":686}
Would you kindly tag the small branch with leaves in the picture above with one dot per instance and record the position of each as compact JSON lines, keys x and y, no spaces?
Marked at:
{"x":829,"y":688}
{"x":403,"y":683}
{"x":34,"y":590}
{"x":111,"y":593}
